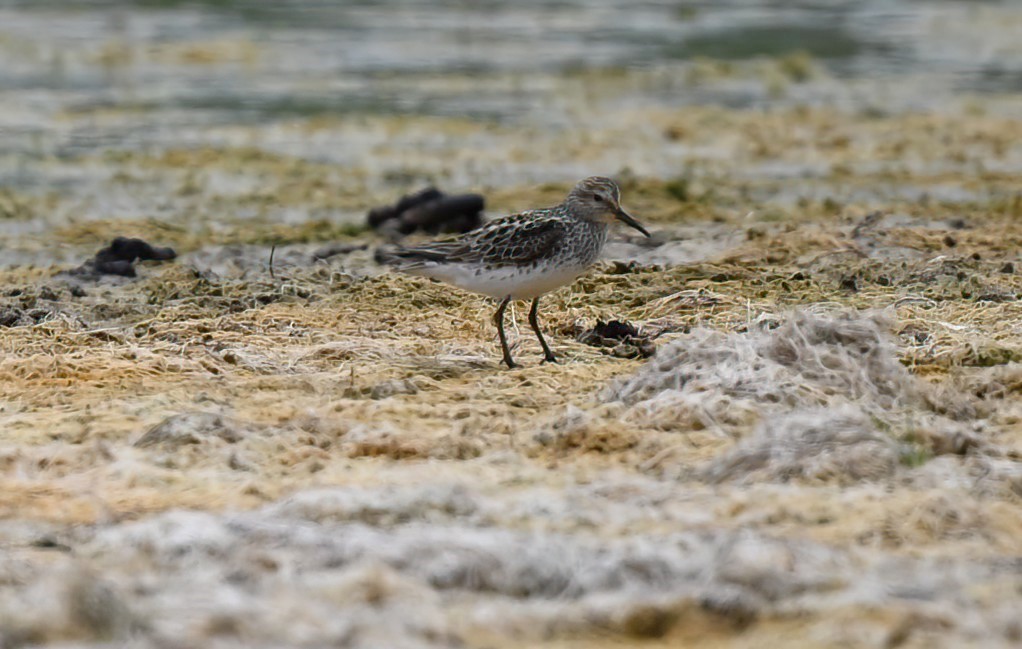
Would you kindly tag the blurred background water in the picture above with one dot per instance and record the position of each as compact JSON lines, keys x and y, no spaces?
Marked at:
{"x":225,"y":61}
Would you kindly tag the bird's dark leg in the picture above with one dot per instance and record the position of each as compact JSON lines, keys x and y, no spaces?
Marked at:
{"x":548,"y":356}
{"x":498,"y":319}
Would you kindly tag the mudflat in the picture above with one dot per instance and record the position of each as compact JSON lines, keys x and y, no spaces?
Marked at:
{"x":824,"y":450}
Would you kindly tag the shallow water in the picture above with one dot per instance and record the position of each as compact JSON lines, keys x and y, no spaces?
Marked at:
{"x":170,"y":68}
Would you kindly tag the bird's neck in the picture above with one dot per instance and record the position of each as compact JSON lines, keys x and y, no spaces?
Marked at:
{"x":595,"y":226}
{"x":589,"y":237}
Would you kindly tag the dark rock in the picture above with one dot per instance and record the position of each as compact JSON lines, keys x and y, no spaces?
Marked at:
{"x":379,"y":215}
{"x":430,"y":211}
{"x":618,"y":338}
{"x":409,"y":201}
{"x":119,"y":258}
{"x":15,"y":317}
{"x":116,"y":267}
{"x":123,"y":248}
{"x":10,"y":317}
{"x":449,"y":213}
{"x":615,"y":329}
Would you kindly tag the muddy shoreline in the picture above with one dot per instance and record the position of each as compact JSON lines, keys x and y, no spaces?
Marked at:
{"x":207,"y":420}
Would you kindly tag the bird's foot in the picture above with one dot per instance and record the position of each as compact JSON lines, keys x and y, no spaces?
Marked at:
{"x":549,"y":358}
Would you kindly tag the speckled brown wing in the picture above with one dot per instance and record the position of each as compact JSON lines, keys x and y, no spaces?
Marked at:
{"x":516,"y":240}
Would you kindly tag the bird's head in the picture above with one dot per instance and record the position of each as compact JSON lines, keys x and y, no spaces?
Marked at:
{"x":599,"y":199}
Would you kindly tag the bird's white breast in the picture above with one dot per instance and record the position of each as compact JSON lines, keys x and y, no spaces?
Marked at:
{"x":521,"y":283}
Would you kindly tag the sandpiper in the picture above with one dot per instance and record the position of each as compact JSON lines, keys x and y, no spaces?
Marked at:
{"x":523,"y":256}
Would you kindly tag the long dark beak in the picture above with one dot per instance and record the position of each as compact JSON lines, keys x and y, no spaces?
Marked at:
{"x":629,"y":220}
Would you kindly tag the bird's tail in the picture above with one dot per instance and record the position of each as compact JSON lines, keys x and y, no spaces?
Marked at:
{"x":409,"y":260}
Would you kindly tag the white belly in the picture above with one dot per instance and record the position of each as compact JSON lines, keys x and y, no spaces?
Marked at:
{"x":519,"y":283}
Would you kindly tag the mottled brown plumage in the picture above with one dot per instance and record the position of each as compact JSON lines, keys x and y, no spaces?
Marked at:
{"x":523,"y":256}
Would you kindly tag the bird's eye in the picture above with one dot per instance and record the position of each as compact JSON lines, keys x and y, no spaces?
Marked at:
{"x":597,"y":198}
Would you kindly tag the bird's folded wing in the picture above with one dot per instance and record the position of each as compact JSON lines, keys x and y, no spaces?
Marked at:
{"x":516,"y":240}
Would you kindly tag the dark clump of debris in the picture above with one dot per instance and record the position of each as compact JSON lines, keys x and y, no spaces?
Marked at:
{"x":430,"y":211}
{"x":14,"y":317}
{"x":618,"y":338}
{"x":120,"y":256}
